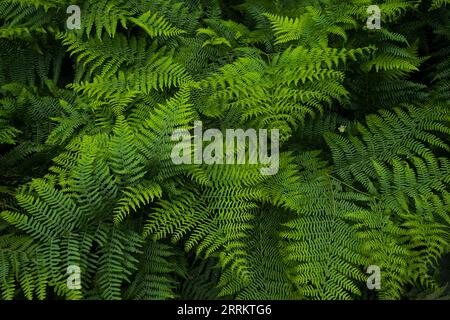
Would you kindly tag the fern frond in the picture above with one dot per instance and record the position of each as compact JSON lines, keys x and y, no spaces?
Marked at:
{"x":156,"y":25}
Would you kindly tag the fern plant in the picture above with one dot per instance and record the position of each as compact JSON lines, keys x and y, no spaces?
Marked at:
{"x":87,"y":118}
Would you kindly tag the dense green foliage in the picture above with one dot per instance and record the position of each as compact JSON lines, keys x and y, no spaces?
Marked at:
{"x":86,"y":178}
